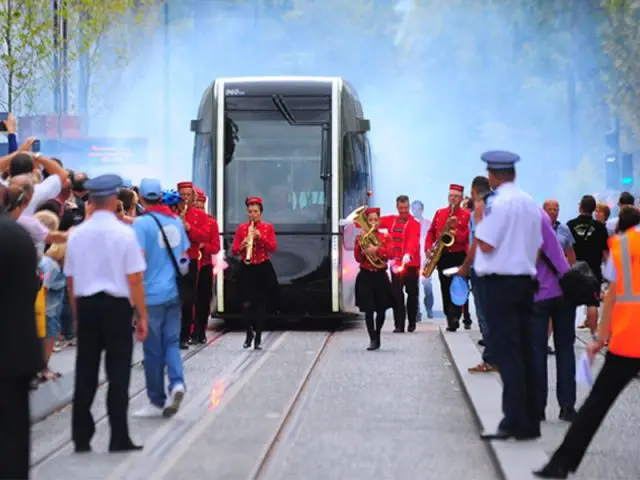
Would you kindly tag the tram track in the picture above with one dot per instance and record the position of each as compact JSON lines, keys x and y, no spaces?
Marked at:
{"x":266,"y":458}
{"x":60,"y":446}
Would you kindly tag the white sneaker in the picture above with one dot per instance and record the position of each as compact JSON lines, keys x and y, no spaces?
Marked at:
{"x":149,"y":411}
{"x":173,"y":402}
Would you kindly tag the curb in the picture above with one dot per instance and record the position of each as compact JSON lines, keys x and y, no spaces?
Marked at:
{"x":55,"y":395}
{"x":515,"y":460}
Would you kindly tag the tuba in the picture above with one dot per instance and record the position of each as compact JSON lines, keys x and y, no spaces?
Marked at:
{"x":445,"y":241}
{"x":250,"y":240}
{"x":368,"y":238}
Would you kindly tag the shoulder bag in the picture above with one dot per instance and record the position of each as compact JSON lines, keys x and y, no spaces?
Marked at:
{"x":185,"y":291}
{"x":579,"y":285}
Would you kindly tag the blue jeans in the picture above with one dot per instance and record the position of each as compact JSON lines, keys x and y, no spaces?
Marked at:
{"x":66,"y":319}
{"x":55,"y":305}
{"x":563,"y":317}
{"x":162,"y":348}
{"x":478,"y":288}
{"x":427,"y":286}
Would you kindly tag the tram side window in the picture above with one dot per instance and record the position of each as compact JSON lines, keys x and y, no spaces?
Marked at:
{"x":362,"y":167}
{"x":349,"y":180}
{"x":355,"y":171}
{"x":203,"y":165}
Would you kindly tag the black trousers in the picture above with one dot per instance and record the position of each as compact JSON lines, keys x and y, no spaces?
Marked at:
{"x":204,"y":293}
{"x":15,"y":428}
{"x":405,"y":281}
{"x":447,"y":260}
{"x":509,"y":310}
{"x":104,"y":324}
{"x":256,"y":283}
{"x":189,"y":302}
{"x":617,"y":372}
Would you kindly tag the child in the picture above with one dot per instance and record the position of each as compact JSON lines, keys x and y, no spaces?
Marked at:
{"x":54,"y":284}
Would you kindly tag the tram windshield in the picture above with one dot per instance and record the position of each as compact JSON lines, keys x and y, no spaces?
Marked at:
{"x":280,"y":155}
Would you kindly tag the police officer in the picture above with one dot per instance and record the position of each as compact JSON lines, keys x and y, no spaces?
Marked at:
{"x":105,"y":267}
{"x":507,"y":240}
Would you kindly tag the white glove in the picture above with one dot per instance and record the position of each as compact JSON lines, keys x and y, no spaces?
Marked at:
{"x":406,"y":258}
{"x":343,"y":222}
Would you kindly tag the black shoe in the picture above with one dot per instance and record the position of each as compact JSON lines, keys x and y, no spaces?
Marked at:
{"x":411,"y":328}
{"x":184,"y":345}
{"x":504,"y":435}
{"x":398,"y":330}
{"x":82,"y":448}
{"x":481,"y":343}
{"x":248,"y":340}
{"x":568,"y":414}
{"x":549,"y":471}
{"x":124,"y":447}
{"x":550,"y":351}
{"x":543,"y":417}
{"x":372,"y":345}
{"x":467,"y":326}
{"x":257,"y":346}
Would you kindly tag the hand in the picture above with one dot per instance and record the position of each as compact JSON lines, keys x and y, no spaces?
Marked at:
{"x":245,"y":242}
{"x":142,"y":327}
{"x":10,"y":123}
{"x":187,"y":227}
{"x":463,"y":271}
{"x":371,"y":250}
{"x":26,"y":146}
{"x":257,"y":235}
{"x":359,"y":236}
{"x":453,"y":232}
{"x":593,"y":348}
{"x":406,"y":258}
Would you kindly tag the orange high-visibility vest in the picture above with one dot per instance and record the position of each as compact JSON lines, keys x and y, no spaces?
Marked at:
{"x":625,"y":322}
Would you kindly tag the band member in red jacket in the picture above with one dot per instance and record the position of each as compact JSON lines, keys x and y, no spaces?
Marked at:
{"x":373,"y":289}
{"x":196,"y":223}
{"x":404,"y":232}
{"x":205,"y":274}
{"x":254,"y":242}
{"x":453,"y":256}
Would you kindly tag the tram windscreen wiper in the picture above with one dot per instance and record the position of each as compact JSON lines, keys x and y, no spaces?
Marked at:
{"x":278,"y":101}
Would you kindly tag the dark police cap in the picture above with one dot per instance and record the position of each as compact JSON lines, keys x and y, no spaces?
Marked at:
{"x":104,"y":185}
{"x":500,"y":160}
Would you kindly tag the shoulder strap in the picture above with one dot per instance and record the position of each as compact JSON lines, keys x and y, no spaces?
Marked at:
{"x":166,"y":243}
{"x":547,"y":261}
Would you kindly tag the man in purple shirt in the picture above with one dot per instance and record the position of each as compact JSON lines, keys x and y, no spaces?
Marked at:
{"x":549,"y":303}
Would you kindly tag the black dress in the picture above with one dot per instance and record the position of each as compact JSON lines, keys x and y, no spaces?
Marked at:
{"x":373,"y":291}
{"x":258,"y":283}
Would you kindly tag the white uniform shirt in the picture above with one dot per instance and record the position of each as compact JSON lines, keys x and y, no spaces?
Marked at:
{"x":101,"y":252}
{"x":513,"y":228}
{"x":609,"y":272}
{"x":612,"y":223}
{"x":42,"y":192}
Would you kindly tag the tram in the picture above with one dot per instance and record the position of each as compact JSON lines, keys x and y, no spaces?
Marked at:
{"x":301,"y":144}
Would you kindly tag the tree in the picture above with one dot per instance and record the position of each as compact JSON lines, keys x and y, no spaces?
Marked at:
{"x":23,"y":46}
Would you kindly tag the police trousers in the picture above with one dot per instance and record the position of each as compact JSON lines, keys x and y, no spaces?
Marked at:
{"x":508,"y":308}
{"x":15,"y":428}
{"x":617,"y":372}
{"x":104,"y":324}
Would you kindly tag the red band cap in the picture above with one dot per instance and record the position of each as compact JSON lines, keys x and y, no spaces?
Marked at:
{"x":456,"y":188}
{"x":202,"y":197}
{"x":185,"y":185}
{"x":371,"y":210}
{"x":198,"y":191}
{"x":253,"y":200}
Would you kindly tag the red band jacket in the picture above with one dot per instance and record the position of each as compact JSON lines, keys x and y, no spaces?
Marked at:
{"x":384,"y":252}
{"x":262,"y":247}
{"x":404,"y":234}
{"x":199,"y":230}
{"x":461,"y":243}
{"x":212,"y":247}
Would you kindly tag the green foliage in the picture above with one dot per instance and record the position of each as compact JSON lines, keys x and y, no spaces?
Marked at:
{"x":23,"y":46}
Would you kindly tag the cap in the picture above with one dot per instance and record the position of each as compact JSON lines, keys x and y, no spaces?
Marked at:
{"x":253,"y":200}
{"x":171,"y":198}
{"x":150,"y":189}
{"x":371,"y":210}
{"x":126,"y":183}
{"x":456,"y":188}
{"x":202,"y":197}
{"x":106,"y":185}
{"x":185,"y":185}
{"x":500,"y":160}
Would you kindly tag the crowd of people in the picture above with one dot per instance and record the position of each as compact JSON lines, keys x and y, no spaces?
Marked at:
{"x":95,"y":259}
{"x":529,"y":273}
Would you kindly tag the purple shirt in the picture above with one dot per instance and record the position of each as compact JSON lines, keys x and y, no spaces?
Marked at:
{"x":549,"y":285}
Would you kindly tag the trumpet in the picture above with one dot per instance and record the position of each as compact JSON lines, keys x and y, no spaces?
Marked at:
{"x":250,"y":240}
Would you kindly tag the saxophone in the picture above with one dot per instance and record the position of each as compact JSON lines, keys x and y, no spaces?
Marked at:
{"x":250,"y":240}
{"x":445,"y":241}
{"x":184,"y":211}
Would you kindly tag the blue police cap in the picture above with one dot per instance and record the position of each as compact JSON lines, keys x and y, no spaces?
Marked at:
{"x":103,"y":185}
{"x":500,"y":160}
{"x":126,"y":183}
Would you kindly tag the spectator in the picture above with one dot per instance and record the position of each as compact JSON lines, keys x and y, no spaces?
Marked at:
{"x":625,"y":199}
{"x":602,"y":212}
{"x":21,"y":355}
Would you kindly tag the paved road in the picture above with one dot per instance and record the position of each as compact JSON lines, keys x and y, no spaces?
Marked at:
{"x":393,"y":414}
